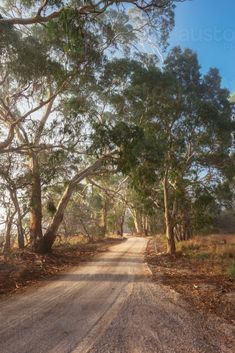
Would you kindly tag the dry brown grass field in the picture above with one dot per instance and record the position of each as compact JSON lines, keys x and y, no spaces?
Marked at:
{"x":203,"y":271}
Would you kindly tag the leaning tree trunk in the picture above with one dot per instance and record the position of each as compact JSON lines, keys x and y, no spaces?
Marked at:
{"x":168,"y":220}
{"x":44,"y":244}
{"x":35,"y":229}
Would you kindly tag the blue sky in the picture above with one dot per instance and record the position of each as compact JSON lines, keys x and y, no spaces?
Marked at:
{"x":208,"y":27}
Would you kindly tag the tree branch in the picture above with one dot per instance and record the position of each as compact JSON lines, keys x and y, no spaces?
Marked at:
{"x":43,"y":5}
{"x":96,"y":8}
{"x":31,"y":20}
{"x":9,"y":138}
{"x":43,"y":121}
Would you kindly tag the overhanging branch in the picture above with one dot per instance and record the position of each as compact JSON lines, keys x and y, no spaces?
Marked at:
{"x":96,"y":8}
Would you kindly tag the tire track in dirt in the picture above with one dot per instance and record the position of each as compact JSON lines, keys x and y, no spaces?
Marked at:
{"x":107,"y":305}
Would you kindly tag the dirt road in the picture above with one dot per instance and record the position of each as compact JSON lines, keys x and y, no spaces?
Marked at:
{"x":104,"y":306}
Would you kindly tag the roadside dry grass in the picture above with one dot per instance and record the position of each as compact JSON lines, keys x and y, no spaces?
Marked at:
{"x":211,"y":246}
{"x":202,"y":271}
{"x":24,"y":268}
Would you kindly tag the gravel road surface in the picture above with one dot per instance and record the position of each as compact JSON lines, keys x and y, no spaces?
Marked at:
{"x":108,"y":305}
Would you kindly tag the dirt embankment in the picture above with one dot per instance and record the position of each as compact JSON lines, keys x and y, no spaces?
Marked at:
{"x":203,"y":282}
{"x":24,"y":268}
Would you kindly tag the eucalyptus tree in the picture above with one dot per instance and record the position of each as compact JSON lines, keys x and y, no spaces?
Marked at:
{"x":26,"y":12}
{"x":40,"y":101}
{"x":51,"y":55}
{"x":184,"y":125}
{"x":111,"y":193}
{"x":15,"y":183}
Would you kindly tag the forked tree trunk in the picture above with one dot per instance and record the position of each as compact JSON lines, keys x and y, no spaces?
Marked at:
{"x":168,"y":220}
{"x":35,"y":229}
{"x":44,"y":244}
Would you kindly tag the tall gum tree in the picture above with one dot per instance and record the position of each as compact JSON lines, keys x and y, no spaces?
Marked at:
{"x":34,"y":126}
{"x":43,"y":69}
{"x":186,"y":128}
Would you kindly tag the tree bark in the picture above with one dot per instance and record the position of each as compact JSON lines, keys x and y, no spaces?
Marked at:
{"x":7,"y":245}
{"x":168,"y":220}
{"x":20,"y":231}
{"x":187,"y":225}
{"x":35,"y":229}
{"x":136,"y":223}
{"x":145,"y":223}
{"x":103,"y":220}
{"x":121,"y":223}
{"x":90,"y":236}
{"x":44,"y":244}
